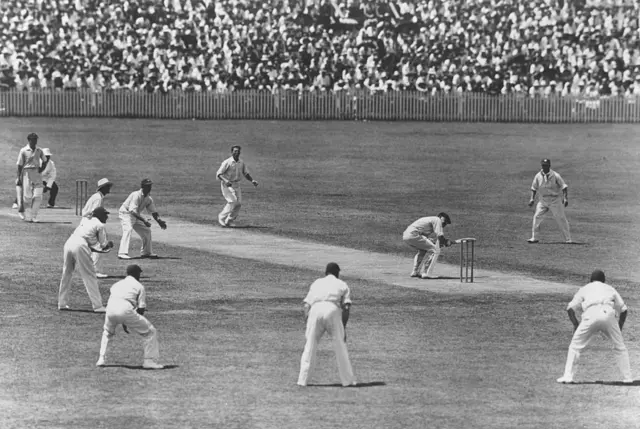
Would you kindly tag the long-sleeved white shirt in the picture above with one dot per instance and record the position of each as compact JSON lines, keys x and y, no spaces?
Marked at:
{"x":596,"y":293}
{"x":232,"y":170}
{"x":425,"y":226}
{"x":129,"y":289}
{"x":96,"y":200}
{"x":136,"y":202}
{"x":548,"y":186}
{"x":93,"y":232}
{"x":49,"y":173}
{"x":328,"y":289}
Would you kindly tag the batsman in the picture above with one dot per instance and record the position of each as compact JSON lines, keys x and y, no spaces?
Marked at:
{"x":426,"y":235}
{"x":31,"y":163}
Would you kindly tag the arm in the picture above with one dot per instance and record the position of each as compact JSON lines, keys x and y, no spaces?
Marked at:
{"x":161,"y":223}
{"x":573,"y":318}
{"x":221,"y":178}
{"x":250,"y":179}
{"x":52,"y":175}
{"x":533,"y":197}
{"x":307,"y":307}
{"x":346,"y":308}
{"x":140,"y":218}
{"x":622,"y":319}
{"x":44,"y":160}
{"x":565,"y":196}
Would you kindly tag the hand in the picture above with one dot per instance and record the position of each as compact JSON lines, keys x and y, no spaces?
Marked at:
{"x":18,"y":182}
{"x":126,"y":330}
{"x":162,"y":224}
{"x":254,"y":183}
{"x":40,"y":170}
{"x":229,"y":184}
{"x":531,"y":201}
{"x":566,"y":202}
{"x":147,"y":223}
{"x":109,"y":245}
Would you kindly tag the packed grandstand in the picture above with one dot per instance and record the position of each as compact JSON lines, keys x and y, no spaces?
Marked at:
{"x":532,"y":47}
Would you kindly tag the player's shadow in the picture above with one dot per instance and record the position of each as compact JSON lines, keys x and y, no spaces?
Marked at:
{"x":138,"y":258}
{"x":249,"y":227}
{"x":49,"y":222}
{"x":57,"y":208}
{"x":610,"y":383}
{"x":556,"y":243}
{"x":139,"y":367}
{"x":77,"y":310}
{"x":367,"y":384}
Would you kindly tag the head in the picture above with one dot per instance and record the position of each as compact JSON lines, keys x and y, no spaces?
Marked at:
{"x":235,"y":152}
{"x":546,"y":165}
{"x":446,"y":220}
{"x":101,"y":214}
{"x":146,"y":186}
{"x":104,"y":186}
{"x":33,"y":140}
{"x":332,"y":268}
{"x":597,"y":276}
{"x":47,"y":152}
{"x":134,"y":271}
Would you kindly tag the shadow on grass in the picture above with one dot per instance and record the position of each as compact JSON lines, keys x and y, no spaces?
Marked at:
{"x":77,"y":310}
{"x":50,"y":223}
{"x":139,"y":367}
{"x":57,"y":208}
{"x":609,"y":383}
{"x":122,"y":276}
{"x":249,"y":227}
{"x":555,"y":243}
{"x":368,"y":384}
{"x":145,"y":258}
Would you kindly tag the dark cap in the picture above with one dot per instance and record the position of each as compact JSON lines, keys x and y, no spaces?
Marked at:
{"x":332,"y":268}
{"x":446,"y":217}
{"x":134,"y":270}
{"x":32,"y":136}
{"x":99,"y":211}
{"x":545,"y":161}
{"x":146,"y":182}
{"x":597,"y":276}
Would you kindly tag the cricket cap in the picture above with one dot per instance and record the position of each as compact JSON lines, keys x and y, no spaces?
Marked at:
{"x":104,"y":182}
{"x":332,"y":268}
{"x":146,"y":182}
{"x":99,"y":211}
{"x":545,"y":161}
{"x":597,"y":276}
{"x":46,"y":151}
{"x":133,"y":270}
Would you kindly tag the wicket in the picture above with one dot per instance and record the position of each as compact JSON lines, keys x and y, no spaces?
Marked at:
{"x":81,"y":195}
{"x":466,"y":262}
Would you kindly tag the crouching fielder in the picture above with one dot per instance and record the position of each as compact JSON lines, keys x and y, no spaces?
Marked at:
{"x":126,"y":307}
{"x":417,"y":236}
{"x":326,"y":308}
{"x":599,"y":303}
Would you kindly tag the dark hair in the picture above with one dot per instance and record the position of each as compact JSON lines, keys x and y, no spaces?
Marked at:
{"x":332,"y":268}
{"x":597,"y":276}
{"x":235,"y":146}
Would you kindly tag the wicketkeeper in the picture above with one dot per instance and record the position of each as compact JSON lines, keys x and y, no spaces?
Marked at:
{"x":417,"y":235}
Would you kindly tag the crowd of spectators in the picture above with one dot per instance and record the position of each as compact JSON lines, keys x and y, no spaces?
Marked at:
{"x":533,"y":47}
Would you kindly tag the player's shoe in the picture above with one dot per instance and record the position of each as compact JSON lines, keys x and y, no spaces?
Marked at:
{"x":123,"y":256}
{"x":569,"y":241}
{"x":50,"y":206}
{"x":628,"y":381}
{"x":100,"y":310}
{"x":64,"y":308}
{"x":532,"y":241}
{"x":101,"y":276}
{"x":14,"y":206}
{"x":151,"y":364}
{"x":414,"y":274}
{"x":565,"y":380}
{"x":101,"y":361}
{"x":21,"y":214}
{"x":222,"y":222}
{"x":230,"y":224}
{"x":34,"y":219}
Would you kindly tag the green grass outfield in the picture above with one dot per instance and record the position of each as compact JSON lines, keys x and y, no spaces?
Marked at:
{"x":233,"y":329}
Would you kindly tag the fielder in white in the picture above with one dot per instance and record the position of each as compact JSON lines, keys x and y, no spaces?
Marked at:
{"x":96,"y":200}
{"x":326,"y":308}
{"x":131,"y":219}
{"x":426,"y":235}
{"x":49,"y":175}
{"x":553,"y":195}
{"x":126,"y":306}
{"x":599,"y":304}
{"x":31,"y":163}
{"x":87,"y":237}
{"x":229,"y":174}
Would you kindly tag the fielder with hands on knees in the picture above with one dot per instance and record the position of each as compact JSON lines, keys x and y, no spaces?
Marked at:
{"x":126,"y":306}
{"x":230,"y":172}
{"x":326,"y":309}
{"x":599,"y":303}
{"x":420,"y":235}
{"x":548,"y":185}
{"x":130,"y":219}
{"x":90,"y":236}
{"x":29,"y":188}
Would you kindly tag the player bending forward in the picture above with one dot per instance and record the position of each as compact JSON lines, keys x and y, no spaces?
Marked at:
{"x":126,"y":307}
{"x":426,"y":235}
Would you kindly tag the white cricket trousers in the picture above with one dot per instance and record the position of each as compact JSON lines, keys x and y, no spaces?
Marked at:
{"x":325,"y":317}
{"x":233,"y":195}
{"x":129,"y":223}
{"x":121,"y":312}
{"x":32,"y":189}
{"x":78,"y":256}
{"x":557,"y":210}
{"x":598,"y":318}
{"x":421,"y":265}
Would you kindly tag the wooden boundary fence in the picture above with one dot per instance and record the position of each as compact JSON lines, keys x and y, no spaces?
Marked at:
{"x":393,"y":106}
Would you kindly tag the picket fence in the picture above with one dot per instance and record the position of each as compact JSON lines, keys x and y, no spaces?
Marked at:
{"x":392,"y":106}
